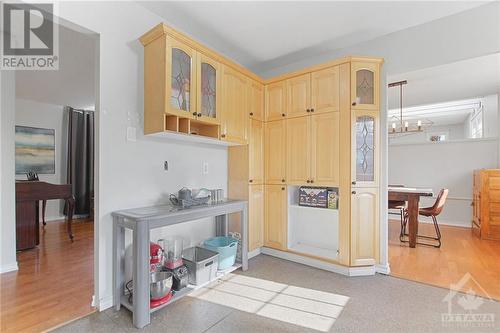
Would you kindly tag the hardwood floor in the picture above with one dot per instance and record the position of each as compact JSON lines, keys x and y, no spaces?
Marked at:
{"x":54,"y":283}
{"x":461,"y":252}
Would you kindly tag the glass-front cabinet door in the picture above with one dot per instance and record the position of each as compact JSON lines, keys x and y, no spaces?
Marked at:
{"x":365,"y":140}
{"x":365,"y":86}
{"x":181,"y":84}
{"x":208,"y":88}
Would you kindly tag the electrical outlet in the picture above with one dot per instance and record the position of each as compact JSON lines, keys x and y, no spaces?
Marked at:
{"x":165,"y":165}
{"x":205,"y":168}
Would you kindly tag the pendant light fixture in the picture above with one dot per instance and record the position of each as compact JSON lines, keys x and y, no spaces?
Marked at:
{"x":403,"y":126}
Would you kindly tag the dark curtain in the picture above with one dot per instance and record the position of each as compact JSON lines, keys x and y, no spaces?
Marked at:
{"x":80,"y":170}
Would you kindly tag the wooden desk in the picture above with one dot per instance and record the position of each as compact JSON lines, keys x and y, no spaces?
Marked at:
{"x":28,"y":196}
{"x":412,"y":197}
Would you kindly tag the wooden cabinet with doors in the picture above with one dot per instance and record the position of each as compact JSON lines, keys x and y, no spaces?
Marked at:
{"x":208,"y":88}
{"x":275,"y":152}
{"x":365,"y":85}
{"x":315,"y":92}
{"x":313,"y":150}
{"x":235,"y":105}
{"x":256,"y":100}
{"x":486,"y":204}
{"x":275,"y":97}
{"x":364,"y":226}
{"x":256,"y":152}
{"x":256,"y":217}
{"x":275,"y":227}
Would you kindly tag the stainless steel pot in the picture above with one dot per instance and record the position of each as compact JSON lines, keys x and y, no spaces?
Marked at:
{"x":160,"y":284}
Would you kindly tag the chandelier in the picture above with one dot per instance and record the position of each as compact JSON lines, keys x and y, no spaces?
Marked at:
{"x":402,"y":126}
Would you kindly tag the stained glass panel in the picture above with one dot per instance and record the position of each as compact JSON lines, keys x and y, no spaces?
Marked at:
{"x":365,"y":149}
{"x":181,"y":80}
{"x":364,"y":87}
{"x":208,"y":90}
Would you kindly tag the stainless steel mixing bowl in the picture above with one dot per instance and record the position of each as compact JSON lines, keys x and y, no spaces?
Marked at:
{"x":160,"y":284}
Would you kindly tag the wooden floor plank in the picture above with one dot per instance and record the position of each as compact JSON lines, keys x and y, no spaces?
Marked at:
{"x":461,"y":253}
{"x":54,"y":283}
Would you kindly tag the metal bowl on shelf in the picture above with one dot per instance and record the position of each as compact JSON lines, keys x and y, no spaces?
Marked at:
{"x":160,"y":284}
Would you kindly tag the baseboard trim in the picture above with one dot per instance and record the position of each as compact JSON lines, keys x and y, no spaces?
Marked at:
{"x":9,"y":267}
{"x":105,"y":303}
{"x":383,"y":269}
{"x":254,"y":253}
{"x":344,"y":270}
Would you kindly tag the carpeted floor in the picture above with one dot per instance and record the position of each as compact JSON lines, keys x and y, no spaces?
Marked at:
{"x":275,"y":295}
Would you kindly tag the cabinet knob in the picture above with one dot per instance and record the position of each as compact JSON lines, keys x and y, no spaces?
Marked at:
{"x":353,"y":183}
{"x":308,"y":110}
{"x":194,"y":114}
{"x":223,"y":135}
{"x":312,"y":110}
{"x":308,"y":181}
{"x":282,"y":188}
{"x":353,"y":103}
{"x":199,"y":114}
{"x":251,"y":181}
{"x":251,"y":113}
{"x":312,"y":181}
{"x":353,"y":192}
{"x":283,"y":180}
{"x":283,"y":115}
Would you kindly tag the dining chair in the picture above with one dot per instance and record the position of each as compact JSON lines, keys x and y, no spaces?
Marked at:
{"x":432,"y":212}
{"x":401,"y":207}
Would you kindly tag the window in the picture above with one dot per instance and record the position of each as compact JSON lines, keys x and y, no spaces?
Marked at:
{"x":476,"y":125}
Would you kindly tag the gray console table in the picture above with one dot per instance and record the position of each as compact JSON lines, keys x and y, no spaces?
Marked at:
{"x":141,"y":221}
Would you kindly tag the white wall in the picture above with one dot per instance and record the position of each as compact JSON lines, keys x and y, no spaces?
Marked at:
{"x":490,"y":116}
{"x":443,"y":165}
{"x":42,"y":115}
{"x":7,"y":171}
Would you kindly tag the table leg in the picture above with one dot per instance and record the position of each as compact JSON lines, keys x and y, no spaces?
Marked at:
{"x":71,"y":209}
{"x":118,"y":261}
{"x":412,"y":220}
{"x":140,"y":275}
{"x":244,"y":238}
{"x":44,"y":206}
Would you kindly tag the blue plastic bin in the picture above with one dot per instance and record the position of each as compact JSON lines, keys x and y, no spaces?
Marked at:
{"x":226,"y":247}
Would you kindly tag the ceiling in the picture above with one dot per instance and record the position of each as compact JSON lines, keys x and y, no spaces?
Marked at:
{"x":457,"y":81}
{"x":260,"y":34}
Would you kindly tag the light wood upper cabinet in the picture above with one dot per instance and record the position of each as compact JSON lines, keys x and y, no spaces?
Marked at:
{"x":298,"y":150}
{"x":299,"y":95}
{"x":365,"y":144}
{"x":365,"y":85}
{"x":325,"y":90}
{"x":256,"y":217}
{"x":275,"y":152}
{"x":325,"y":144}
{"x":256,"y":151}
{"x":208,"y":88}
{"x":275,"y":223}
{"x":234,"y":106}
{"x":364,"y":227}
{"x":256,"y":101}
{"x":275,"y":96}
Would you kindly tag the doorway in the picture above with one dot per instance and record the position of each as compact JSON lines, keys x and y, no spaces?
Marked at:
{"x":56,"y":114}
{"x":442,"y":126}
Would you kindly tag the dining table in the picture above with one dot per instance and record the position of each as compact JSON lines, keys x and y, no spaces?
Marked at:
{"x":412,"y":197}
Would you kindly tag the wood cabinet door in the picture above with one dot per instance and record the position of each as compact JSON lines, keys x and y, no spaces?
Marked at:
{"x":476,"y":202}
{"x":275,"y":223}
{"x":364,"y":227}
{"x":234,"y":113}
{"x":325,"y":157}
{"x":490,"y":205}
{"x":299,"y":95}
{"x":298,"y":150}
{"x":208,"y":89}
{"x":325,"y":90}
{"x":256,"y":101}
{"x":275,"y":152}
{"x":181,"y":78}
{"x":256,"y":217}
{"x":365,"y":86}
{"x":256,"y":152}
{"x":275,"y":95}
